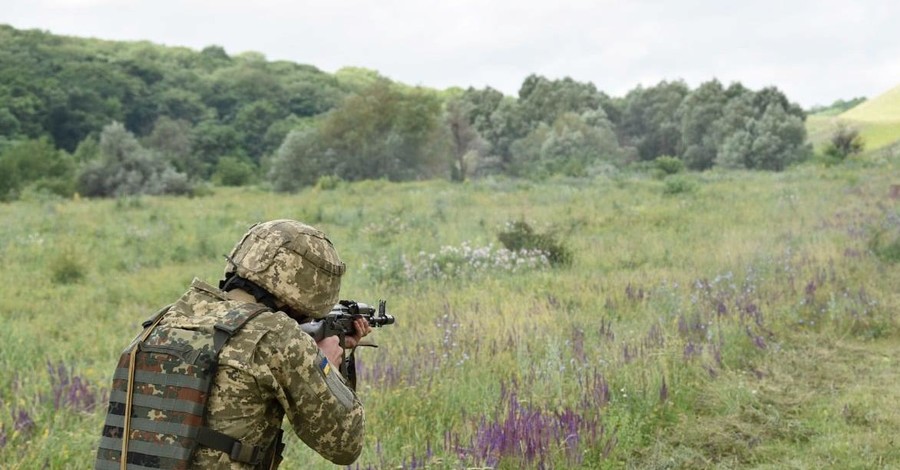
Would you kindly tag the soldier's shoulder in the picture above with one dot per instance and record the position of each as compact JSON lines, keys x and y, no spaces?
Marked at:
{"x":272,"y":321}
{"x":279,"y":332}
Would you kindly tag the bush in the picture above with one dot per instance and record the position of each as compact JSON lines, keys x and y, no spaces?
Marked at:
{"x":234,"y":171}
{"x":678,"y":185}
{"x":66,"y":268}
{"x":519,"y":236}
{"x":844,"y":142}
{"x":329,"y":182}
{"x":668,"y":165}
{"x":36,"y":166}
{"x":125,"y":168}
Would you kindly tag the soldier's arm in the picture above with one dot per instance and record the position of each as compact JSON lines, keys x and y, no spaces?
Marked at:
{"x":323,"y":411}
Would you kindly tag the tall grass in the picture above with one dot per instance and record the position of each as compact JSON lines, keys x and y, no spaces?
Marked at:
{"x":746,"y":322}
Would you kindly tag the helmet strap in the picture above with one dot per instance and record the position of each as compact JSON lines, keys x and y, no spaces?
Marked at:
{"x":233,"y":281}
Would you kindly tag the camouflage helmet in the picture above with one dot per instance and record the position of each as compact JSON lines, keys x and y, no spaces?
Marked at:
{"x":293,"y":261}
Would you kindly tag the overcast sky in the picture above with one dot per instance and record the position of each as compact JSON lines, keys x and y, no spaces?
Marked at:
{"x":815,"y":51}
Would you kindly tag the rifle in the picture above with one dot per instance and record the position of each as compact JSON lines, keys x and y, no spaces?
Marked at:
{"x":339,"y":322}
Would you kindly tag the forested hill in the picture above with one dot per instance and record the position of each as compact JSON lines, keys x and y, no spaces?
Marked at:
{"x":108,"y":118}
{"x":67,"y":88}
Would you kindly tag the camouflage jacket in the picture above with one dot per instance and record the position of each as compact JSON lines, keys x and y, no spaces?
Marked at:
{"x":270,"y":368}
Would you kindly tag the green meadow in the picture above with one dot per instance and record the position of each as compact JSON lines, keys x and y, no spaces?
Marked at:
{"x":710,"y":320}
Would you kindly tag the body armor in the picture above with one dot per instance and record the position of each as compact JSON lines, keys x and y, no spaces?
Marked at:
{"x":159,"y":395}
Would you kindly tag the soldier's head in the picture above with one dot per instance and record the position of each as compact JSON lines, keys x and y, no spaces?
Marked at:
{"x":293,"y":262}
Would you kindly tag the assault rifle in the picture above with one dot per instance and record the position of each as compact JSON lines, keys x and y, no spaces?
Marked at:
{"x":339,"y":322}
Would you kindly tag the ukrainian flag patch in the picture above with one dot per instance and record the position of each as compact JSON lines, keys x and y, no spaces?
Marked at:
{"x":325,"y":366}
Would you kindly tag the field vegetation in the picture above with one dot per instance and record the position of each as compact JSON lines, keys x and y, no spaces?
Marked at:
{"x":705,"y":320}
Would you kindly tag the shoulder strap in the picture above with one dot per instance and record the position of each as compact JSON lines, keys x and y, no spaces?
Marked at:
{"x":129,"y":394}
{"x":233,"y":321}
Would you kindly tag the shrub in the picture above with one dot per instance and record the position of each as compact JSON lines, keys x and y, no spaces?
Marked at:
{"x":328,"y":182}
{"x":678,"y":185}
{"x":36,"y":166}
{"x":66,"y":268}
{"x":844,"y":142}
{"x":234,"y":171}
{"x":125,"y":168}
{"x":519,"y":235}
{"x":668,"y":165}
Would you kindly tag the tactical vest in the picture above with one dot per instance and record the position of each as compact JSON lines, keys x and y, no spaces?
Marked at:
{"x":159,"y":394}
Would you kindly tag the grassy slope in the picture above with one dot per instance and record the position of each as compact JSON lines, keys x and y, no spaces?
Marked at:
{"x":766,"y":278}
{"x":877,"y":119}
{"x":884,"y":108}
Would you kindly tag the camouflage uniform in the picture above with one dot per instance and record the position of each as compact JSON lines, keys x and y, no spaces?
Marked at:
{"x":267,"y":366}
{"x":268,"y":369}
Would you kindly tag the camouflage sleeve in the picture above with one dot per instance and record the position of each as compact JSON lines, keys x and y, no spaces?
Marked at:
{"x":323,"y":411}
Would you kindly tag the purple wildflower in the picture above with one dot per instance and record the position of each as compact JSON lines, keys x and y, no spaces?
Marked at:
{"x":692,"y":350}
{"x":759,"y":342}
{"x":810,"y":290}
{"x":528,"y":434}
{"x":655,"y":337}
{"x":717,"y":353}
{"x":22,"y":422}
{"x":606,"y":330}
{"x":578,"y":345}
{"x":69,"y":390}
{"x":721,"y":308}
{"x":634,"y":294}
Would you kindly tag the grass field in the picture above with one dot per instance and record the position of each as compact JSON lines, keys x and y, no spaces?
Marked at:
{"x":715,"y":320}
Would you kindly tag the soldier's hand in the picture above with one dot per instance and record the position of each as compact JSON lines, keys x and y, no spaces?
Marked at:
{"x":331,"y":349}
{"x":362,"y":328}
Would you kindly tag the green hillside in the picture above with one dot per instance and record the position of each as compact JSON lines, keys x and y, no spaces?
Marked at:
{"x":877,"y":119}
{"x":884,"y":108}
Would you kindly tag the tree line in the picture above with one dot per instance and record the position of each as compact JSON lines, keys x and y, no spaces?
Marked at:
{"x":112,"y":118}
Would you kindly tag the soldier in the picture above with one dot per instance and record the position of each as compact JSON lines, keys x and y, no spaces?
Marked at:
{"x":208,"y":381}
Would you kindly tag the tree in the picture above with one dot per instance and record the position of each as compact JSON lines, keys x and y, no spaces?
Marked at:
{"x":543,"y":100}
{"x":300,"y":160}
{"x":507,"y":126}
{"x":465,"y":141}
{"x":211,"y":141}
{"x":174,"y":140}
{"x":234,"y":171}
{"x":489,"y":114}
{"x":571,"y":146}
{"x":773,"y":142}
{"x":182,"y":104}
{"x":252,"y":121}
{"x":698,"y":114}
{"x":126,"y":168}
{"x":648,"y":119}
{"x":37,"y":164}
{"x":384,"y":131}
